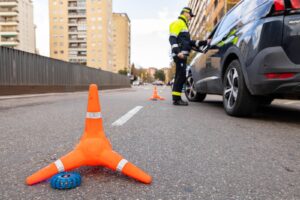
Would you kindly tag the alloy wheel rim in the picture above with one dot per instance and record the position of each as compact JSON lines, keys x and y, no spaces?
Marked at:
{"x":190,"y":88}
{"x":231,"y":88}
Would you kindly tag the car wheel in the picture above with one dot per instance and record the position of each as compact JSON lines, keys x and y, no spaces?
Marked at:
{"x":191,"y":93}
{"x":237,"y":99}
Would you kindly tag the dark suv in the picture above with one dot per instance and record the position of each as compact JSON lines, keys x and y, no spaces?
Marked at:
{"x":253,"y":58}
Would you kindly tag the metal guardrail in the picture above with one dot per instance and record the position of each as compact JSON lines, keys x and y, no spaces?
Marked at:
{"x":23,"y":73}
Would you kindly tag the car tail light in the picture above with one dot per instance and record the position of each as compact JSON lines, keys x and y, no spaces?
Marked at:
{"x":295,"y":4}
{"x":279,"y":75}
{"x":279,"y":5}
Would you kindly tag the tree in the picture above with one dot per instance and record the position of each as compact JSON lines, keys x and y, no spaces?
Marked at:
{"x":123,"y":71}
{"x":147,"y":77}
{"x":134,"y":71}
{"x":172,"y":70}
{"x":160,"y":75}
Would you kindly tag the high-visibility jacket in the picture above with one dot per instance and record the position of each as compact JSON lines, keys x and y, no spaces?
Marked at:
{"x":180,"y":39}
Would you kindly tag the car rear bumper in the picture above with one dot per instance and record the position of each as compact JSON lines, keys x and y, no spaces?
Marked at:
{"x":273,"y":60}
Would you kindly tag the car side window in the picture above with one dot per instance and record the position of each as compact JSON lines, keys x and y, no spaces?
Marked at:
{"x":250,"y":5}
{"x":230,"y":19}
{"x":214,"y":31}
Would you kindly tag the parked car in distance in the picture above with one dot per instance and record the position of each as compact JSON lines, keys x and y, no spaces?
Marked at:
{"x":158,"y":83}
{"x":136,"y":83}
{"x":253,"y":57}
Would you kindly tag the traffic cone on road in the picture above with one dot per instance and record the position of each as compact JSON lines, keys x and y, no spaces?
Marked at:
{"x":155,"y":95}
{"x":94,"y":149}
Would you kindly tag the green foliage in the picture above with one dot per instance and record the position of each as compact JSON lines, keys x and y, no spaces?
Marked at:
{"x":160,"y":75}
{"x":123,"y":71}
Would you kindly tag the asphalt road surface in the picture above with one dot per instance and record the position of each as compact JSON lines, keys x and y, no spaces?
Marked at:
{"x":194,"y":152}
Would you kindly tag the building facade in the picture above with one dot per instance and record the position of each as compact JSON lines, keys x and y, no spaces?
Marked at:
{"x":121,"y":42}
{"x":81,"y":32}
{"x":17,"y":29}
{"x":168,"y":74}
{"x":151,"y":71}
{"x":208,"y":14}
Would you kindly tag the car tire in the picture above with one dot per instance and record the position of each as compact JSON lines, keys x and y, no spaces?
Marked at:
{"x":237,"y":100}
{"x":191,"y":93}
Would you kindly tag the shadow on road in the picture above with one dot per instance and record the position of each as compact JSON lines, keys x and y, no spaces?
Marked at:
{"x":277,"y":113}
{"x":215,"y":103}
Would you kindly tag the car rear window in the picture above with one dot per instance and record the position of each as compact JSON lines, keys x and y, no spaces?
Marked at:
{"x":250,"y":5}
{"x":229,"y":20}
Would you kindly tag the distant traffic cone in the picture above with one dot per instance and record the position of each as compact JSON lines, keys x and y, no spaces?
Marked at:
{"x":155,"y":95}
{"x":94,"y":149}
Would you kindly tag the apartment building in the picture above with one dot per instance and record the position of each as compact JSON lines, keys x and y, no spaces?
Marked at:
{"x":121,"y":41}
{"x":81,"y":32}
{"x":168,"y":74}
{"x":17,"y":29}
{"x":208,"y":14}
{"x":151,"y":71}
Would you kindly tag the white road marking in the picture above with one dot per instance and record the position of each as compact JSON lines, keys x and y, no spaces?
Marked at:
{"x":127,"y":116}
{"x":289,"y":102}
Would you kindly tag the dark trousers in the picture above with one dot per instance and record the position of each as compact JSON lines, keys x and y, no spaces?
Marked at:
{"x":180,"y":78}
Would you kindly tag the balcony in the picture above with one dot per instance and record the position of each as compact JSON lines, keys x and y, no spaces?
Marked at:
{"x":72,"y":24}
{"x":9,"y":44}
{"x":9,"y":22}
{"x":77,"y":48}
{"x":73,"y":31}
{"x":9,"y":31}
{"x":77,"y":45}
{"x":75,"y":7}
{"x":8,"y":13}
{"x":77,"y":40}
{"x":8,"y":3}
{"x":77,"y":32}
{"x":77,"y":56}
{"x":76,"y":14}
{"x":76,"y":22}
{"x":78,"y":60}
{"x":9,"y":19}
{"x":9,"y":41}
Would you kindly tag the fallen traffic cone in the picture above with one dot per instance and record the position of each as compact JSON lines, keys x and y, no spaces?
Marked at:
{"x":155,"y":95}
{"x":94,"y":149}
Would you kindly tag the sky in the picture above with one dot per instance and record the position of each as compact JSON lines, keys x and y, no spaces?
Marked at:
{"x":150,"y":21}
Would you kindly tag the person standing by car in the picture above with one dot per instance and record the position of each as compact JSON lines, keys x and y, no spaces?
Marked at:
{"x":181,"y":45}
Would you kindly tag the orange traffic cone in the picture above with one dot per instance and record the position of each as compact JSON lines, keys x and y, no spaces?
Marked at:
{"x":155,"y":95}
{"x":94,"y":149}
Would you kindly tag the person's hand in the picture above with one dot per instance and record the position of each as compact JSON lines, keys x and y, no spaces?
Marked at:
{"x":181,"y":55}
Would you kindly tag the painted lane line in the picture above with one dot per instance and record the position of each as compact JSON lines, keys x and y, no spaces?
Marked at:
{"x":290,"y":103}
{"x":127,"y":116}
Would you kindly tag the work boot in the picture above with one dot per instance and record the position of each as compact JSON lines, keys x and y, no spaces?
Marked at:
{"x":180,"y":103}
